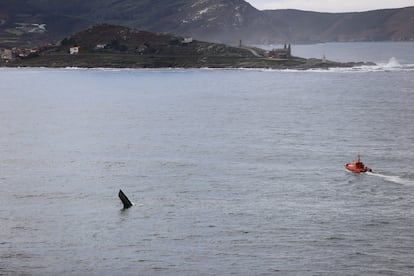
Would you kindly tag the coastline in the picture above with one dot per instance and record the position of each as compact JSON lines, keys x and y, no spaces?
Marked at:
{"x":111,"y":46}
{"x":219,"y":63}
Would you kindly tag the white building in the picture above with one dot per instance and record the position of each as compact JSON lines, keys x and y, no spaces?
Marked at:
{"x":187,"y":40}
{"x":100,"y":46}
{"x":74,"y":50}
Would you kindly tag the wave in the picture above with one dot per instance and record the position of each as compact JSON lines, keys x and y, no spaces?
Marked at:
{"x":393,"y":178}
{"x":392,"y":65}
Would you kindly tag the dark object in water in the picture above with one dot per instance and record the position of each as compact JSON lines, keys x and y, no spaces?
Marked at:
{"x":127,"y":203}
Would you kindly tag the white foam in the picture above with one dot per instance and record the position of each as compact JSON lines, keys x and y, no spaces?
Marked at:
{"x":393,"y":63}
{"x":394,"y":179}
{"x":392,"y":66}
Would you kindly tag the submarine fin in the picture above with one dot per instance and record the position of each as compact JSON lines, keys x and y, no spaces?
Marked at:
{"x":127,"y":203}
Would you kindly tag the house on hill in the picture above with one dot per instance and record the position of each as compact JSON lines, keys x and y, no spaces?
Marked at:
{"x":284,"y":53}
{"x":187,"y":40}
{"x":74,"y":50}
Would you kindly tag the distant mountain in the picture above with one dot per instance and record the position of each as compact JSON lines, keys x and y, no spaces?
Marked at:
{"x":227,"y":21}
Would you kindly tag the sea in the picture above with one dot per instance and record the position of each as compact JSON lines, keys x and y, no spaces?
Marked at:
{"x":231,"y":171}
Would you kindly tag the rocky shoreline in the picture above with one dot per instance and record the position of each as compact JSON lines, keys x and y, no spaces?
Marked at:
{"x":125,"y":61}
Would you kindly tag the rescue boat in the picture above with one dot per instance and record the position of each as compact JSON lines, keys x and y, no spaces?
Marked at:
{"x":357,"y":166}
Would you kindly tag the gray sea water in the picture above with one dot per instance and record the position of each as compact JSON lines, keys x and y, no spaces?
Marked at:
{"x":232,"y":172}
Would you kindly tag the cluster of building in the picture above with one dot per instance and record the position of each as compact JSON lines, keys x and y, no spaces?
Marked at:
{"x":282,"y":53}
{"x":7,"y":55}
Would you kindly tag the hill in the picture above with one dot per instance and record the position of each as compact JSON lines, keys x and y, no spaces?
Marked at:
{"x":121,"y":47}
{"x":226,"y":21}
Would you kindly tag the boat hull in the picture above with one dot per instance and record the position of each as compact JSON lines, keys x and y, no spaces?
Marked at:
{"x":355,"y":169}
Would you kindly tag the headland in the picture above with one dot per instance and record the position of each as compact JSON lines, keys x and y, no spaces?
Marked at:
{"x":111,"y":46}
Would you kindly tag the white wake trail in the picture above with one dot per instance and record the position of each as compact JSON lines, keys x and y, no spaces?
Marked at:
{"x":394,"y":179}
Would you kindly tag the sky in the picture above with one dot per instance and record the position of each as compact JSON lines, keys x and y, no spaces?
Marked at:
{"x":330,"y":5}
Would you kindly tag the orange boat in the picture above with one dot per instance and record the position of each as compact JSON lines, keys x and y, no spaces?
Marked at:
{"x":357,"y":166}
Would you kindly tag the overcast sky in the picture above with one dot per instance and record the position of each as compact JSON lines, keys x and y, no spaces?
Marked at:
{"x":330,"y":5}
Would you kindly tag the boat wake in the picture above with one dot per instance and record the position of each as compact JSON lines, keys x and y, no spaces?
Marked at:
{"x":393,"y":178}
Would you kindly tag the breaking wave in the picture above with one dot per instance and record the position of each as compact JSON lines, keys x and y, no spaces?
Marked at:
{"x":392,"y":65}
